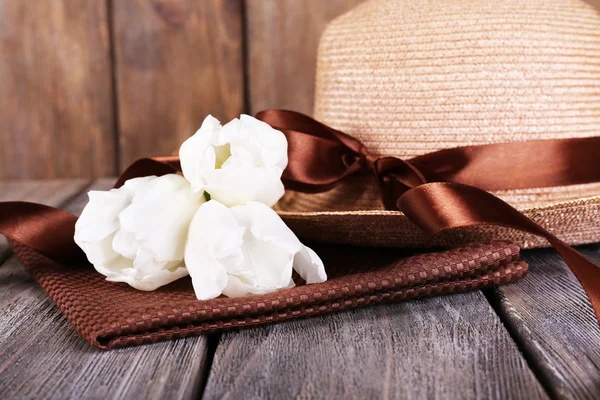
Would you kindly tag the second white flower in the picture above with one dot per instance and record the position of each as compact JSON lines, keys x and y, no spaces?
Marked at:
{"x":244,"y":250}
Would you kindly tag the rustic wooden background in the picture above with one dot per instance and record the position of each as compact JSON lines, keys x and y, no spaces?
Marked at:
{"x":86,"y":87}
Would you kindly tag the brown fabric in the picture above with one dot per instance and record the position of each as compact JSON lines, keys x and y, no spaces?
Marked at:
{"x":110,"y":315}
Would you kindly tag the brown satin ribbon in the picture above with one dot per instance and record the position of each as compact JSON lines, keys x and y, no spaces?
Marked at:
{"x":437,"y":191}
{"x":446,"y":189}
{"x":47,"y":230}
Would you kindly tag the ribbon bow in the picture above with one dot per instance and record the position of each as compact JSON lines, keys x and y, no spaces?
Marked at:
{"x":447,"y":189}
{"x":438,"y":191}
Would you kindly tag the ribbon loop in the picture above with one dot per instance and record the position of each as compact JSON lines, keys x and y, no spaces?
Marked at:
{"x":446,"y":189}
{"x":319,"y":156}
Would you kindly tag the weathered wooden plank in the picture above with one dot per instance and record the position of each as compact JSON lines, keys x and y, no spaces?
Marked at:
{"x":552,"y":319}
{"x":42,"y":357}
{"x":176,"y":62}
{"x":443,"y":348}
{"x":283,"y":36}
{"x":55,"y":90}
{"x":49,"y":192}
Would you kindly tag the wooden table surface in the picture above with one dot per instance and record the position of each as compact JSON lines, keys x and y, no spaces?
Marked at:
{"x":537,"y":338}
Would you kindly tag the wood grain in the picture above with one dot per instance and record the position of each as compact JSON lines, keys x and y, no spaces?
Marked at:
{"x":440,"y":348}
{"x":56,"y":109}
{"x":282,"y":37}
{"x":42,"y":356}
{"x":552,"y":319}
{"x":176,"y":62}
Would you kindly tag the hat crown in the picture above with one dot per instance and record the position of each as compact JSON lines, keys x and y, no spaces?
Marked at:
{"x":408,"y":77}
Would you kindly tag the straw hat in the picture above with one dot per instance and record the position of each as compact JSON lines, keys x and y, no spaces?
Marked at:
{"x":408,"y":77}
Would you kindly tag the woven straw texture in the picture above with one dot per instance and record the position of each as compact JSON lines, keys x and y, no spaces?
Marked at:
{"x":110,"y":315}
{"x":408,"y":77}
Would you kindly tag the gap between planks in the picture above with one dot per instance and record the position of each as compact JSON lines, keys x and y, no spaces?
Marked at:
{"x":444,"y":347}
{"x":551,"y":319}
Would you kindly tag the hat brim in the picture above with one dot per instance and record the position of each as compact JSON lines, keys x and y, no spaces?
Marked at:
{"x":571,"y":213}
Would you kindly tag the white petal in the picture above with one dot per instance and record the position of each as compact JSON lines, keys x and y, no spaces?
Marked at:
{"x":241,"y":161}
{"x":208,"y":276}
{"x":136,"y":184}
{"x":272,"y":143}
{"x":309,"y":265}
{"x":154,"y":209}
{"x":245,"y":250}
{"x":114,"y":268}
{"x":148,"y":282}
{"x":101,"y":254}
{"x":269,"y":264}
{"x":222,"y":154}
{"x":237,"y":288}
{"x":124,"y":243}
{"x":145,"y":262}
{"x":196,"y":154}
{"x":229,"y":132}
{"x":161,"y":278}
{"x":243,"y":157}
{"x":159,"y":217}
{"x":265,"y":224}
{"x":269,"y":246}
{"x":99,"y":217}
{"x":214,"y":234}
{"x":98,"y":223}
{"x":234,"y":186}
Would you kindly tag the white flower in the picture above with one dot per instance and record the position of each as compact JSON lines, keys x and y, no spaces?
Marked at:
{"x":136,"y":234}
{"x":239,"y":162}
{"x":246,"y":249}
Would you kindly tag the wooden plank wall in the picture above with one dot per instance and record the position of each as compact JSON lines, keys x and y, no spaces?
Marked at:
{"x":56,"y":110}
{"x":88,"y":87}
{"x":283,"y":36}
